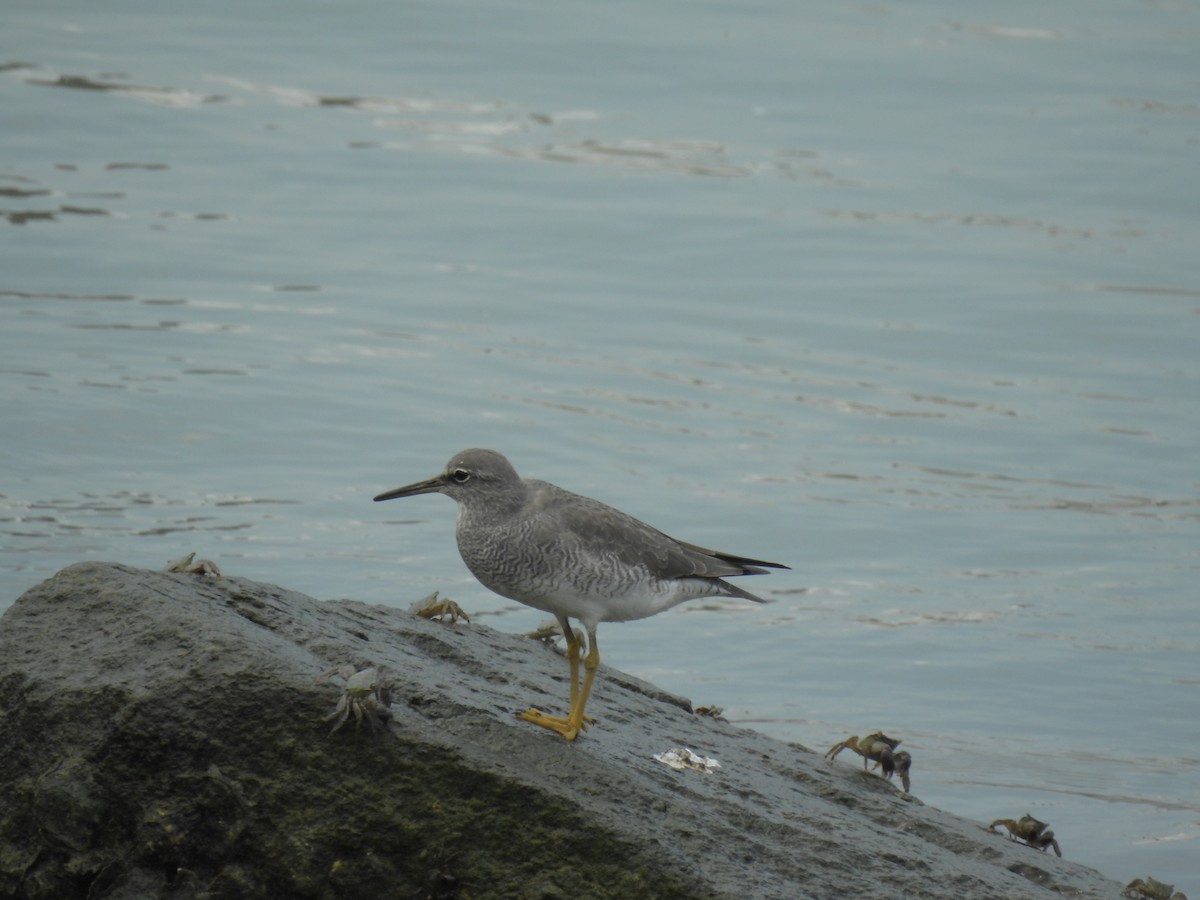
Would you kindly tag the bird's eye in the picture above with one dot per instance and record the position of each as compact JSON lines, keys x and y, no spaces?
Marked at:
{"x":460,"y":476}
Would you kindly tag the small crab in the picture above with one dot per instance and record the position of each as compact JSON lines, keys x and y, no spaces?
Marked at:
{"x":1151,"y":889}
{"x":550,"y":633}
{"x":1029,"y":831}
{"x":712,"y":712}
{"x":365,"y":694}
{"x":185,"y":564}
{"x":879,"y":749}
{"x":433,"y":608}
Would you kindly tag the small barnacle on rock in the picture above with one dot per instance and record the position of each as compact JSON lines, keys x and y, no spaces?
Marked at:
{"x":684,"y":758}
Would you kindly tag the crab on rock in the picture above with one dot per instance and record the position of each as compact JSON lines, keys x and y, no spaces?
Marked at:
{"x":189,"y":565}
{"x":438,"y":609}
{"x":365,"y":695}
{"x":879,"y":749}
{"x":1029,"y":831}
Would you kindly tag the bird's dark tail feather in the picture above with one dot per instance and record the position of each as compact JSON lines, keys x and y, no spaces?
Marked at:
{"x":749,"y":566}
{"x":733,"y":590}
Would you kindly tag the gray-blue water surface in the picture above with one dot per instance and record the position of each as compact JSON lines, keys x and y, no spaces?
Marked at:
{"x":903,"y":295}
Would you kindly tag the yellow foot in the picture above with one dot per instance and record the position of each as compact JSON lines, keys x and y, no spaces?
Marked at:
{"x":561,"y":724}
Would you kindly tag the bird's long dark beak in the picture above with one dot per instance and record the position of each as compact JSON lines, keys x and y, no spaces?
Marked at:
{"x":430,"y":486}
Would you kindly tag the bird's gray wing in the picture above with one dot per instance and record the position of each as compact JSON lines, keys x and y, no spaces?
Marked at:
{"x":603,"y":532}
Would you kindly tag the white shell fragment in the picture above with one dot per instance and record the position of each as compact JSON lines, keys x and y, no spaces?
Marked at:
{"x":684,"y":758}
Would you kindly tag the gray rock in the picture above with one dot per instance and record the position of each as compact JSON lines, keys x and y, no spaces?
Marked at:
{"x":162,"y":735}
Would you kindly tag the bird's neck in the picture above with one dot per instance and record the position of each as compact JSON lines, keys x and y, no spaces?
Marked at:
{"x":492,"y":511}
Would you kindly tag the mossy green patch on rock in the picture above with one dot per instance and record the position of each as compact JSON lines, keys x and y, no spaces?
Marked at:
{"x":243,"y":797}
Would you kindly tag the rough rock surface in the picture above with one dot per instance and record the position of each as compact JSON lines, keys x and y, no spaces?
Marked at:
{"x":162,"y":736}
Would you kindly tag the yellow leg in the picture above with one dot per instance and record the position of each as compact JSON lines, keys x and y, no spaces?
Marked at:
{"x":572,"y":659}
{"x":576,"y":717}
{"x":575,"y":721}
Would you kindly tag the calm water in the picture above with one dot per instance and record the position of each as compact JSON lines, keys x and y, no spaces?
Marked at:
{"x":902,"y":295}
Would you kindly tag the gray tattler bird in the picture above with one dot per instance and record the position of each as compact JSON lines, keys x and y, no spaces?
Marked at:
{"x":574,"y":557}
